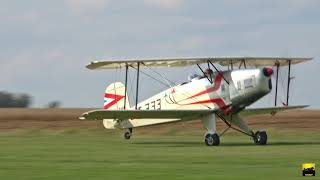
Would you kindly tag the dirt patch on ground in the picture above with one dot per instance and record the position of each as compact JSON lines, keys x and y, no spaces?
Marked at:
{"x":11,"y":118}
{"x":68,"y":118}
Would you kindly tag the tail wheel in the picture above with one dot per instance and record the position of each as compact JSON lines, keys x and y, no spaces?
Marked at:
{"x":260,"y":138}
{"x":212,"y":139}
{"x":127,"y":135}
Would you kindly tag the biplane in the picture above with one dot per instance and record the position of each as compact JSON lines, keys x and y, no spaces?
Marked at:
{"x":215,"y":94}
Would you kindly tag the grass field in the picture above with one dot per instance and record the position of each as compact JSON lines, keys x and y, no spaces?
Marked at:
{"x":101,"y":154}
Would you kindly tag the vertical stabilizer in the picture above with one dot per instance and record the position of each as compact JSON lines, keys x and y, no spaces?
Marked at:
{"x":115,"y":97}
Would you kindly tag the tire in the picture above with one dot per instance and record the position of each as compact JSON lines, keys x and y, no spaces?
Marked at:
{"x":212,"y":139}
{"x":127,"y":135}
{"x":260,"y":138}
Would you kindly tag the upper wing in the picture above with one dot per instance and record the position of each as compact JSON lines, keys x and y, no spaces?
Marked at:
{"x":181,"y":62}
{"x":144,"y":114}
{"x":270,"y":110}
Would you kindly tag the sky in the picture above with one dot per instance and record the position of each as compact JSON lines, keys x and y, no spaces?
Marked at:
{"x":45,"y":45}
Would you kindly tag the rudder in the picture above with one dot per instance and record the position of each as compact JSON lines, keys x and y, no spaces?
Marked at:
{"x":115,"y":98}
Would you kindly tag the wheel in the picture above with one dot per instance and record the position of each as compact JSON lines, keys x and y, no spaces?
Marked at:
{"x":127,"y":135}
{"x":260,"y":138}
{"x":212,"y":139}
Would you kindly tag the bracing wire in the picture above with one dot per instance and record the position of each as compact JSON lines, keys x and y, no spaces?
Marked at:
{"x":163,"y":77}
{"x":153,"y":77}
{"x":186,"y":94}
{"x":166,"y":82}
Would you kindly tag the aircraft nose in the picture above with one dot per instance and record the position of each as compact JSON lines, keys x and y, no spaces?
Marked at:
{"x":267,"y":71}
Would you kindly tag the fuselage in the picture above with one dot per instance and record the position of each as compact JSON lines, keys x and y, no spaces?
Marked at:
{"x":228,"y":91}
{"x":236,"y":89}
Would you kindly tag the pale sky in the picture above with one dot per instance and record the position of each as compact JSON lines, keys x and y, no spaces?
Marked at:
{"x":45,"y":45}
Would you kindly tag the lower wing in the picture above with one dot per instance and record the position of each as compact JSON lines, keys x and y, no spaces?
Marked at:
{"x":173,"y":114}
{"x":270,"y":110}
{"x":144,"y":114}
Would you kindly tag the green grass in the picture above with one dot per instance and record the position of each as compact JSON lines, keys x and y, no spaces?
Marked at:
{"x":101,"y":154}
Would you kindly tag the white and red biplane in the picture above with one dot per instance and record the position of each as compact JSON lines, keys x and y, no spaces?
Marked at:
{"x":215,"y":94}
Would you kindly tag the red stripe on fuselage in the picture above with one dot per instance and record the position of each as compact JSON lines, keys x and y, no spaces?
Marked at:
{"x":218,"y":101}
{"x":216,"y":86}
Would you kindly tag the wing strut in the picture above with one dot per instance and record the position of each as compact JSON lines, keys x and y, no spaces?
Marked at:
{"x":289,"y":79}
{"x":210,"y":72}
{"x":137,"y":86}
{"x":204,"y":73}
{"x":125,"y":87}
{"x":243,"y":61}
{"x":277,"y":80}
{"x":218,"y":71}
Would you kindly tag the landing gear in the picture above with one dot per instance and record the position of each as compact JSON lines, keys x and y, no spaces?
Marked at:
{"x":212,"y":139}
{"x":127,"y":135}
{"x":260,"y":138}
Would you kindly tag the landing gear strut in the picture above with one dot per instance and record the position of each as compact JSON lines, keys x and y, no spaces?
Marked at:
{"x":127,"y":135}
{"x":260,"y":138}
{"x":212,"y":139}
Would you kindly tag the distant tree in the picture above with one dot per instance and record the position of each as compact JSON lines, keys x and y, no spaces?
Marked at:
{"x":5,"y":99}
{"x":54,"y":104}
{"x":21,"y":101}
{"x":14,"y":100}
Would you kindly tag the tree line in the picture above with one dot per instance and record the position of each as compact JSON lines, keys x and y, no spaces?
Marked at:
{"x":8,"y":99}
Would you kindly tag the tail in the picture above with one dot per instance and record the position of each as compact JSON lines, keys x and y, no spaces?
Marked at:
{"x":115,"y":97}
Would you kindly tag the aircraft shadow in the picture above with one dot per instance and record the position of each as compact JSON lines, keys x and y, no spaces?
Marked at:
{"x":231,"y":144}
